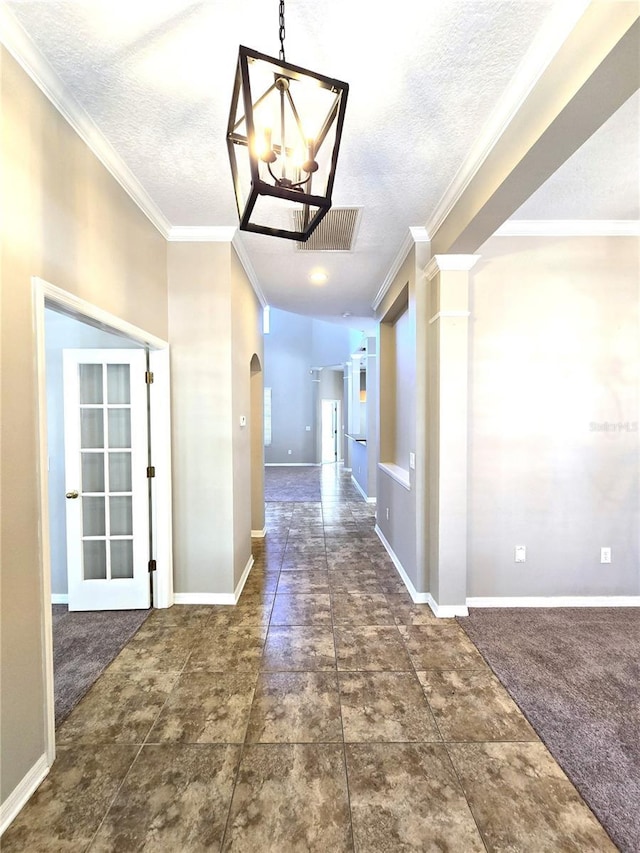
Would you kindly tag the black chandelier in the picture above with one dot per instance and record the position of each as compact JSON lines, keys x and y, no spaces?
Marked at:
{"x":283,"y":138}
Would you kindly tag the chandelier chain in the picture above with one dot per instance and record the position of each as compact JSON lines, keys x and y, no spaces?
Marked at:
{"x":282,"y":31}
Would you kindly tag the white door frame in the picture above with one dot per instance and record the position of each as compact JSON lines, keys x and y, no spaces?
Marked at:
{"x":45,"y":293}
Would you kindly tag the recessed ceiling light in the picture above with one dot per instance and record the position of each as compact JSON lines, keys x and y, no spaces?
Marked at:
{"x":318,"y":277}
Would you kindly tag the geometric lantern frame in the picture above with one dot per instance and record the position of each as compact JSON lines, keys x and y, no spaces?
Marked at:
{"x":283,"y":139}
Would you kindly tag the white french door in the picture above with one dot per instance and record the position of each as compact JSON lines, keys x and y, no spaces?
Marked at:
{"x":107,"y":494}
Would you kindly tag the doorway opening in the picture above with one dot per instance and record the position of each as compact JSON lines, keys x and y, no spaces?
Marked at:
{"x":330,"y":422}
{"x":50,"y":301}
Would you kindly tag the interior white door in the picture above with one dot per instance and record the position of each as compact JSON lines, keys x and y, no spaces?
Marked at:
{"x":329,"y":430}
{"x":107,"y":495}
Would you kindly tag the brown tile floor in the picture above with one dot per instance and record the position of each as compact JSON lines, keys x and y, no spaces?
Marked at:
{"x":326,"y":711}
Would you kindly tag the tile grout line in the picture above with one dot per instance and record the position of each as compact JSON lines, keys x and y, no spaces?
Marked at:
{"x":141,"y":746}
{"x":344,"y":745}
{"x":444,"y":742}
{"x":255,"y":687}
{"x":113,"y":799}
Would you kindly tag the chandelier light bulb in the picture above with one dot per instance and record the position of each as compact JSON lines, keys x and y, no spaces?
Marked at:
{"x":310,"y":165}
{"x":264,"y":147}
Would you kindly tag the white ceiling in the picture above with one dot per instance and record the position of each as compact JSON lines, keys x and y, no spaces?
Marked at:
{"x":425,"y":77}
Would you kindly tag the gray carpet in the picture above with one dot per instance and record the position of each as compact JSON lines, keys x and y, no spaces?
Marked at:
{"x":575,"y":673}
{"x":83,"y":645}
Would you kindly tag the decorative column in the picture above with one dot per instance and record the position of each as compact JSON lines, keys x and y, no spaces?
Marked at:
{"x":448,"y":370}
{"x":346,"y":415}
{"x":355,"y":427}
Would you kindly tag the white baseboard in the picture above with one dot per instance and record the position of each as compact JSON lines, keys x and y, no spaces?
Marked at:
{"x":348,"y":470}
{"x":442,"y":611}
{"x":243,"y":579}
{"x":362,"y":491}
{"x":221,"y":598}
{"x":447,"y":611}
{"x":18,"y":798}
{"x":556,"y":601}
{"x":259,"y":534}
{"x":291,"y":464}
{"x":59,"y":598}
{"x":204,"y":598}
{"x":418,"y":597}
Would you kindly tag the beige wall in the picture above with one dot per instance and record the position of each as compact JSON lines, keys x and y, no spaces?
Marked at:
{"x":66,"y":220}
{"x":215,"y":327}
{"x":555,"y":351}
{"x":201,"y":400}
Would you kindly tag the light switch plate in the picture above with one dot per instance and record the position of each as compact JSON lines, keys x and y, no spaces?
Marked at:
{"x":412,"y":461}
{"x":521,"y":553}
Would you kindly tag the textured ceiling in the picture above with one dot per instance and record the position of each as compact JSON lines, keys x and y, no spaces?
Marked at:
{"x":424,"y":75}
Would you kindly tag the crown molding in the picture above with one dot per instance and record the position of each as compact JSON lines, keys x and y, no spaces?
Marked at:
{"x":547,"y":43}
{"x":202,"y":233}
{"x":416,"y":234}
{"x":33,"y":63}
{"x":248,"y":268}
{"x":569,"y":228}
{"x":27,"y":55}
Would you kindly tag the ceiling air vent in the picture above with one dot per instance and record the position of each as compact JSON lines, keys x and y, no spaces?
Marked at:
{"x":336,"y":232}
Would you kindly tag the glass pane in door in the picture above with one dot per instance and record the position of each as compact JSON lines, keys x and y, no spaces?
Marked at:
{"x":119,"y":427}
{"x":94,"y":554}
{"x":90,"y":384}
{"x":120,"y":472}
{"x":118,"y":384}
{"x":120,"y":516}
{"x":92,"y":472}
{"x":93,"y":520}
{"x":121,"y":558}
{"x":91,"y":428}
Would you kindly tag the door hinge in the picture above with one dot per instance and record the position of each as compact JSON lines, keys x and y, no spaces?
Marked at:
{"x":148,"y":377}
{"x":152,"y":565}
{"x":151,"y":471}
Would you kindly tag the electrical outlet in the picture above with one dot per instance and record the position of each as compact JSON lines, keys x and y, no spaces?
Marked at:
{"x":387,"y":513}
{"x":521,"y":554}
{"x":289,"y":452}
{"x":412,"y":461}
{"x":605,"y":555}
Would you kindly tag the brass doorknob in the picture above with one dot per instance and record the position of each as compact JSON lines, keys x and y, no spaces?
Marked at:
{"x":71,"y":495}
